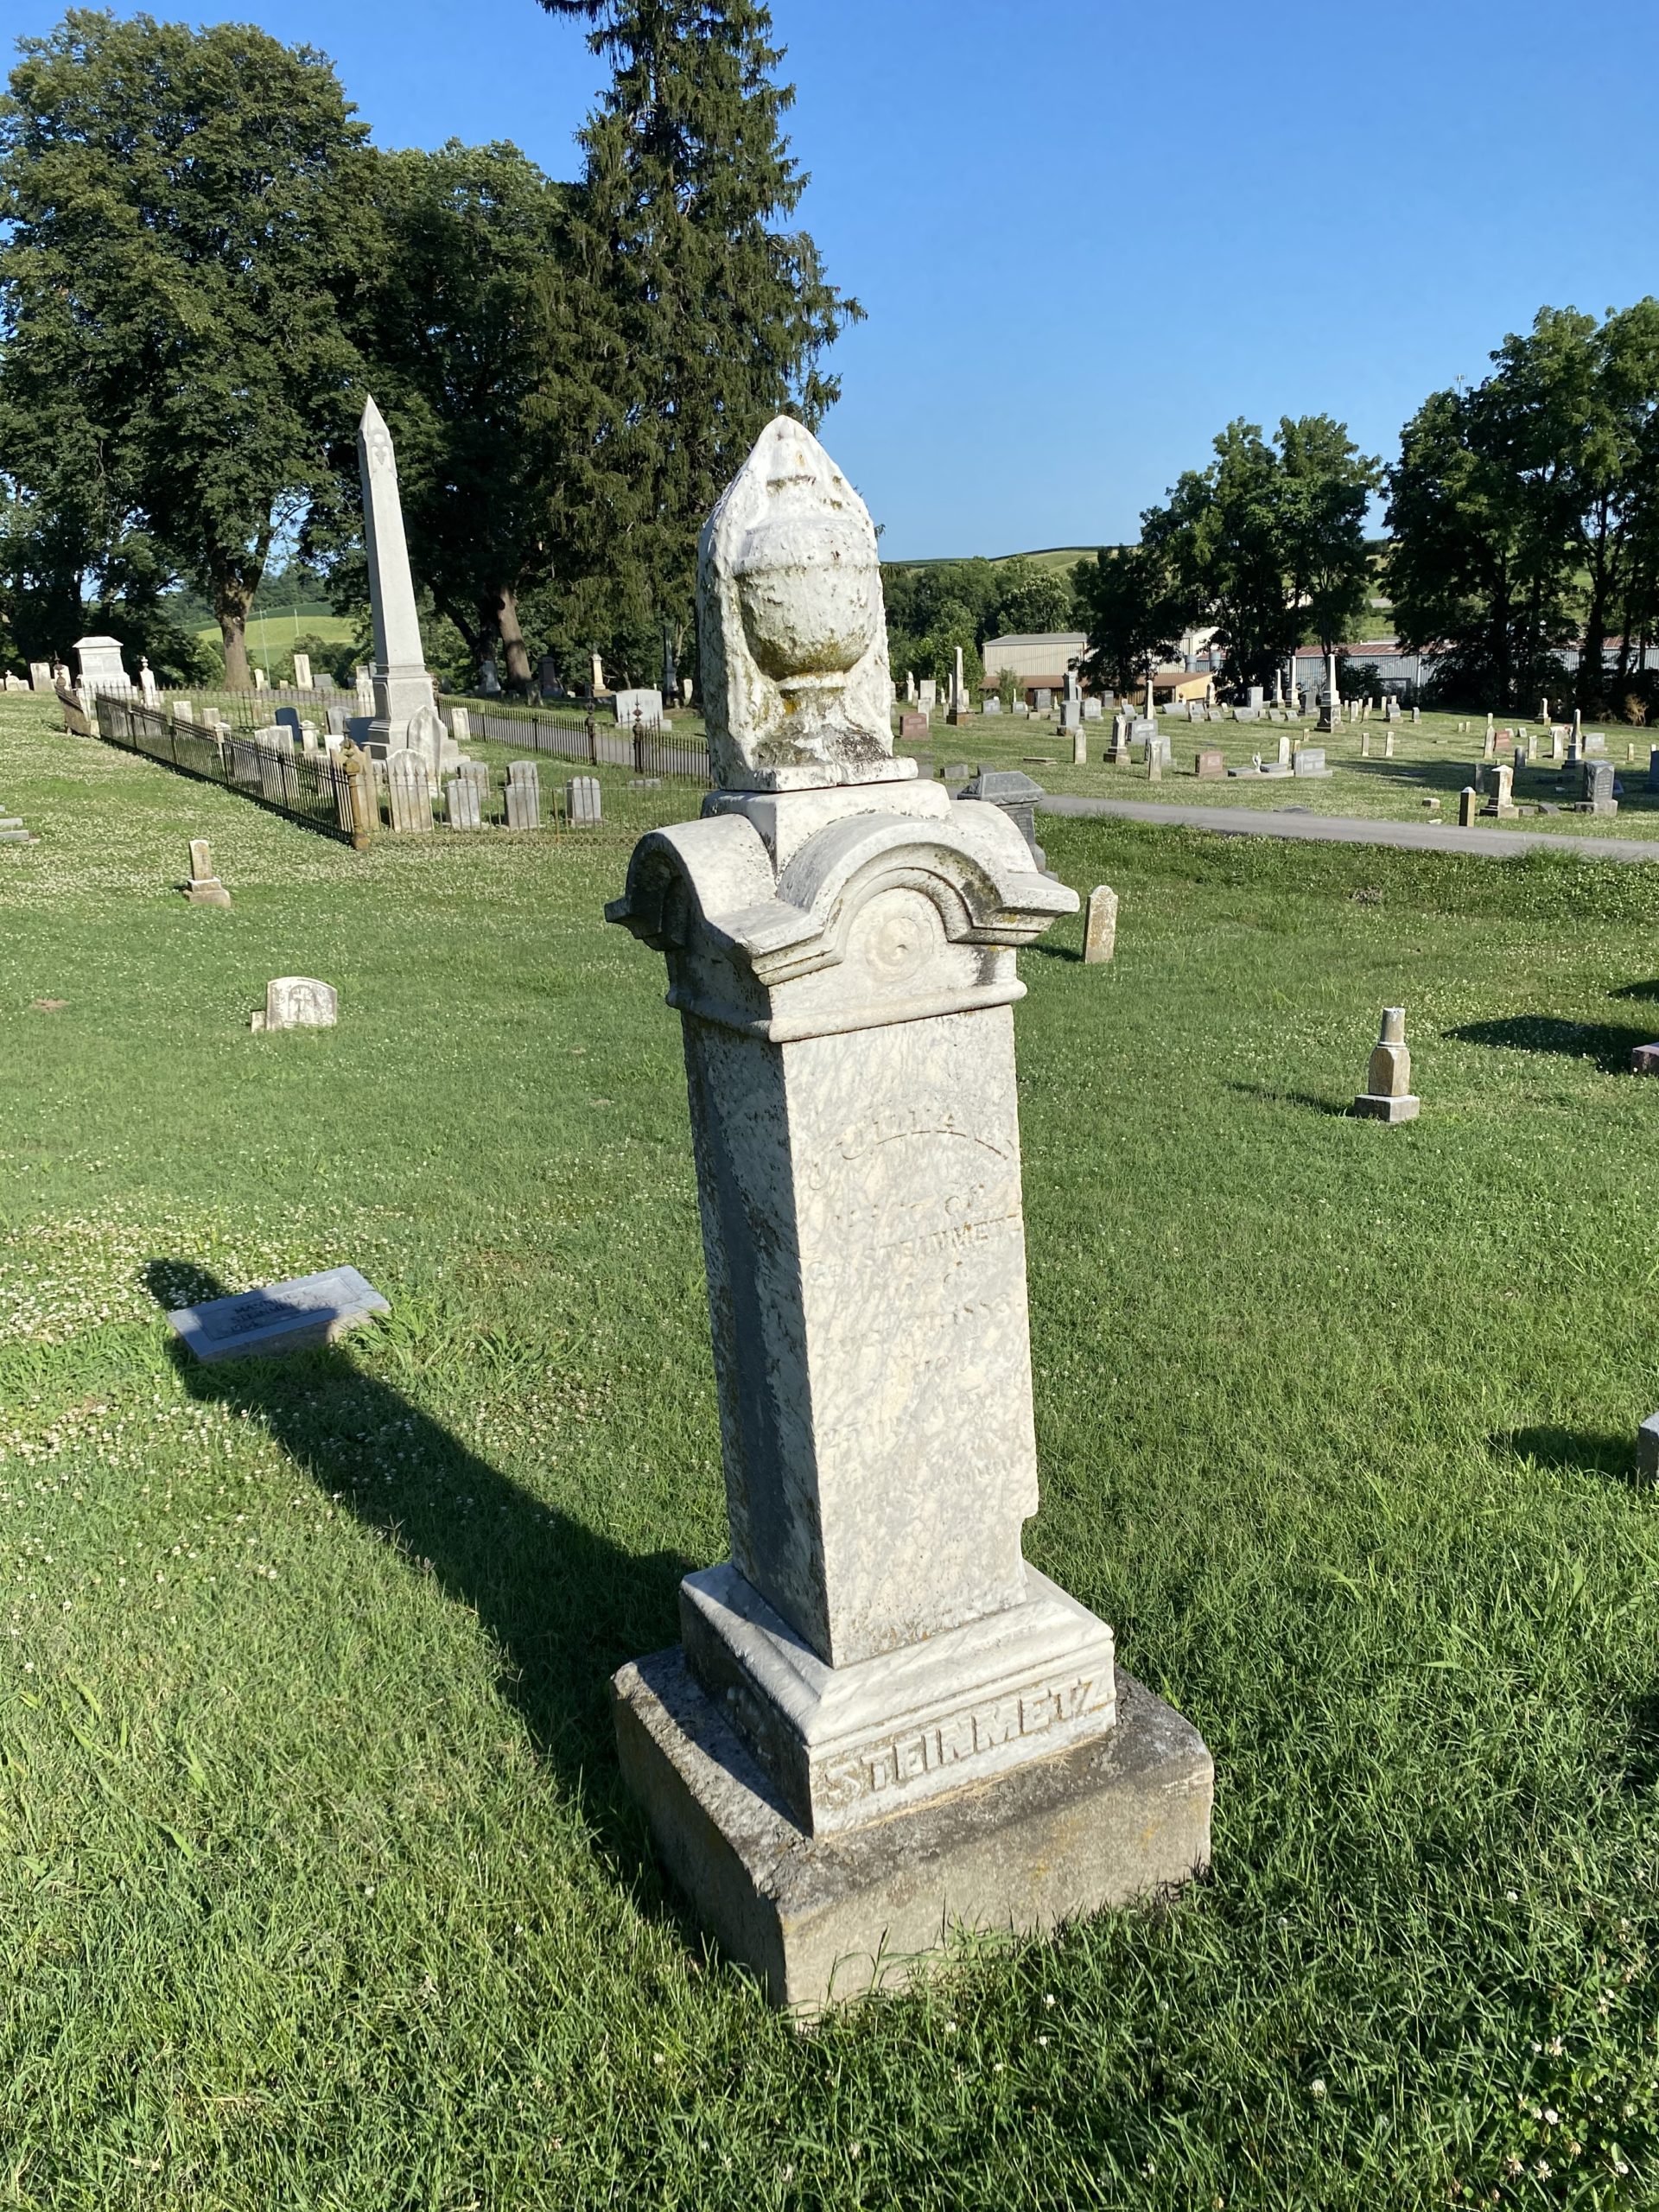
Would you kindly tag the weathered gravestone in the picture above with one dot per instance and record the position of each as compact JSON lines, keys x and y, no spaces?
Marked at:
{"x":1309,"y":760}
{"x":461,"y":802}
{"x":298,"y":1002}
{"x":912,"y":730}
{"x":1209,"y":764}
{"x":1093,"y":708}
{"x":461,"y":727}
{"x":284,"y":1316}
{"x":1502,"y":801}
{"x":39,"y":675}
{"x":640,"y":705}
{"x":1387,"y":1095}
{"x":102,"y":668}
{"x":1100,"y":925}
{"x":524,"y":795}
{"x":301,"y":672}
{"x":1598,"y":775}
{"x":409,"y":792}
{"x":204,"y":888}
{"x":1043,"y":699}
{"x":1016,"y":794}
{"x":582,"y":805}
{"x":882,"y":1723}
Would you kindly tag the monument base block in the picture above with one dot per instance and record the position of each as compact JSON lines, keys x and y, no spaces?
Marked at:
{"x":1369,"y":1106}
{"x":820,"y":1918}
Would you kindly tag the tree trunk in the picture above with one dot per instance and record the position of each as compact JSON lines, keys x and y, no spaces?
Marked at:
{"x":230,"y":606}
{"x":513,"y":641}
{"x":1591,"y":646}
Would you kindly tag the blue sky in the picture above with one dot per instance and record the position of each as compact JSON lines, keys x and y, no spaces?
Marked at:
{"x":1088,"y":232}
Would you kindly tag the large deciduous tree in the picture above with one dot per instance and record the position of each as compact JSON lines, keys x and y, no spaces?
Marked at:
{"x":693,"y":315}
{"x":1525,"y":513}
{"x":457,"y":327}
{"x":1267,"y":543}
{"x":183,"y":214}
{"x":1134,"y":609}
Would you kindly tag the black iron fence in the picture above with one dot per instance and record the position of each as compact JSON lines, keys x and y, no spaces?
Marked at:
{"x":313,"y":789}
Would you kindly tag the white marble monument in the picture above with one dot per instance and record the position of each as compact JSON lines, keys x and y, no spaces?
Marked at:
{"x":882,"y":1722}
{"x":404,"y":718}
{"x":102,"y":668}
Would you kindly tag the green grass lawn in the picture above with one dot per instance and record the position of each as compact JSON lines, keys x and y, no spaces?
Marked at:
{"x":317,"y":1887}
{"x":1433,"y":758}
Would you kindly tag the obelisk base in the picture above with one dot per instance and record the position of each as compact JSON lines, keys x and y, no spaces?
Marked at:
{"x":820,"y":1918}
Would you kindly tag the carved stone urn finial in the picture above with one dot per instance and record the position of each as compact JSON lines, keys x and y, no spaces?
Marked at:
{"x":790,"y":624}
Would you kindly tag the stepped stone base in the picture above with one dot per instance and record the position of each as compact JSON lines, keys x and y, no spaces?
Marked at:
{"x":819,"y":1918}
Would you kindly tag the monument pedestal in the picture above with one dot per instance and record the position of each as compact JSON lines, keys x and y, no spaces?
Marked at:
{"x":882,"y":1723}
{"x":1121,"y":1815}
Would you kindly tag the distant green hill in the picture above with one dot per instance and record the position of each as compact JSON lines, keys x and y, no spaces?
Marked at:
{"x":1045,"y":557}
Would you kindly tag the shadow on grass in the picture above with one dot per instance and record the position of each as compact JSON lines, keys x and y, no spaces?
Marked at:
{"x":1573,"y":1451}
{"x":1641,"y":1753}
{"x":1635,"y":991}
{"x":565,"y":1606}
{"x":1276,"y":1098}
{"x":1608,"y":1046}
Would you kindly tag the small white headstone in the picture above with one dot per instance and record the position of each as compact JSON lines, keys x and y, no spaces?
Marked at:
{"x":581,"y":802}
{"x":524,"y":795}
{"x":1100,"y":925}
{"x":298,"y":1002}
{"x":640,"y":705}
{"x":301,"y":672}
{"x":409,"y":792}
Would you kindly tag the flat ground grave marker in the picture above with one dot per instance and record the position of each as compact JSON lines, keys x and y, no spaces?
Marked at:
{"x":290,"y":1316}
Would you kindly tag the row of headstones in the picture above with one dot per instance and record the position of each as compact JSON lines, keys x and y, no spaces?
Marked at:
{"x":467,"y":793}
{"x":1599,"y":790}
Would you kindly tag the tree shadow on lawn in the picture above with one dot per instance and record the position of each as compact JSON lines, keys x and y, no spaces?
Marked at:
{"x":1573,"y":1451}
{"x":1608,"y":1046}
{"x":1275,"y":1097}
{"x":1635,"y":991}
{"x":566,"y":1607}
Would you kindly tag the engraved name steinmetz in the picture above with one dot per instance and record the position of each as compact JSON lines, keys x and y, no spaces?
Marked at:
{"x":891,"y":1761}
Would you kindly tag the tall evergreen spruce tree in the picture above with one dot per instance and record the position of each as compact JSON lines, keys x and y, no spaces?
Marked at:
{"x":693,"y":318}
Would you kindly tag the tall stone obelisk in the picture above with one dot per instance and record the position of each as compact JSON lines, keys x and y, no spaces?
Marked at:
{"x":404,"y":717}
{"x":880,"y":1723}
